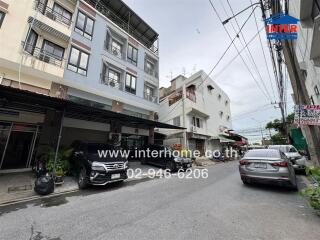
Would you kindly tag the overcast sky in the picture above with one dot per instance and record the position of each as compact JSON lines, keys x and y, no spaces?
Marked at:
{"x":193,"y":38}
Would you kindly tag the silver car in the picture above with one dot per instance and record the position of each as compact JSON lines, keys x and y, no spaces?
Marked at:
{"x":267,"y":166}
{"x":299,"y":162}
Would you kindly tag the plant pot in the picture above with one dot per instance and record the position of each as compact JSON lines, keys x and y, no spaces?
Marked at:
{"x":58,"y":180}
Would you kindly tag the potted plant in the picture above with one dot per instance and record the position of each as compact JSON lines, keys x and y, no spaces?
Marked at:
{"x":60,"y":167}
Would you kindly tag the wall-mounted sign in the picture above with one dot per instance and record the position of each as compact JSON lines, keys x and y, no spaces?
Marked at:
{"x":281,"y":26}
{"x":307,"y":114}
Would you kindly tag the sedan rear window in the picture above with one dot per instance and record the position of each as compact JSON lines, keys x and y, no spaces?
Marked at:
{"x":267,"y":153}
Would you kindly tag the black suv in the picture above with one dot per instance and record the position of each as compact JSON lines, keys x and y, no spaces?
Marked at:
{"x":167,"y":161}
{"x":90,"y":168}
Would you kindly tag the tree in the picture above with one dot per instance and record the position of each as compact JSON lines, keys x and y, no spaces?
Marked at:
{"x":278,"y":139}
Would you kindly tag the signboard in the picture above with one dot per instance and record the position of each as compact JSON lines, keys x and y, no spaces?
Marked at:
{"x":281,"y":26}
{"x":307,"y":115}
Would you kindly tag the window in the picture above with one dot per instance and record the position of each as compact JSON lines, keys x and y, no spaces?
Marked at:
{"x":113,"y":78}
{"x":116,"y":48}
{"x":316,"y":9}
{"x":228,"y":118}
{"x":210,"y":88}
{"x":132,"y":55}
{"x":52,"y":49}
{"x":176,"y":121}
{"x":219,"y":97}
{"x":2,"y":15}
{"x":197,"y":122}
{"x":84,"y":25}
{"x":226,"y":102}
{"x":149,"y":67}
{"x":221,"y":114}
{"x":316,"y":90}
{"x":31,"y":42}
{"x":78,"y":61}
{"x":62,"y":14}
{"x":131,"y":83}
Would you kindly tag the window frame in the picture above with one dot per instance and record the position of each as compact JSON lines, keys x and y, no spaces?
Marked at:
{"x":34,"y":44}
{"x":117,"y":43}
{"x":61,"y":15}
{"x":52,"y":55}
{"x":78,"y":61}
{"x":2,"y":17}
{"x":131,"y":89}
{"x":83,"y":31}
{"x":316,"y":90}
{"x":131,"y":60}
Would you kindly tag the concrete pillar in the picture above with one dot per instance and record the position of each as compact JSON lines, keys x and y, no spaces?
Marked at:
{"x":50,"y":131}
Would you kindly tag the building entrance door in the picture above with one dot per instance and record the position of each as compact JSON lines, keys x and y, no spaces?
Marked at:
{"x":17,"y":146}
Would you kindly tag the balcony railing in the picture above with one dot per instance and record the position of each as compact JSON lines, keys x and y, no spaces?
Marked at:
{"x":50,"y":13}
{"x":42,"y":55}
{"x":111,"y":82}
{"x":114,"y":51}
{"x":151,"y":72}
{"x":150,"y":98}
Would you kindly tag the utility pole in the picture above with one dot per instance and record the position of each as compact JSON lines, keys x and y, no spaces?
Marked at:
{"x":184,"y":116}
{"x":312,"y":133}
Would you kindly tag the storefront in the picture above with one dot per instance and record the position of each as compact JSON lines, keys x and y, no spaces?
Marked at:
{"x":30,"y":122}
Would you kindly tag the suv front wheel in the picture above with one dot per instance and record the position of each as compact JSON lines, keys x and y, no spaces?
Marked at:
{"x":83,"y":179}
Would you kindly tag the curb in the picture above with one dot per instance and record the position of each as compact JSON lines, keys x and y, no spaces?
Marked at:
{"x":36,"y":197}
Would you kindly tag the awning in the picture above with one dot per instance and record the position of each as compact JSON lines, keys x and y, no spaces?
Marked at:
{"x":225,"y":140}
{"x":197,"y":113}
{"x":13,"y":98}
{"x":44,"y":27}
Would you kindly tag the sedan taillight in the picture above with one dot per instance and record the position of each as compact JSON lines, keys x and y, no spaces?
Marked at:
{"x":280,"y":164}
{"x":243,"y":162}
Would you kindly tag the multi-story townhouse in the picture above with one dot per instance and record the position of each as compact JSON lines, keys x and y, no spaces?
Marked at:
{"x":200,"y":106}
{"x":100,"y":54}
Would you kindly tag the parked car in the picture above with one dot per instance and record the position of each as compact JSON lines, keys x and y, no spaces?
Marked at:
{"x":298,"y":161}
{"x":167,"y":161}
{"x":92,"y":169}
{"x":267,"y":166}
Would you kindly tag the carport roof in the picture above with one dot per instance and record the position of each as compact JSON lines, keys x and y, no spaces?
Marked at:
{"x":14,"y":98}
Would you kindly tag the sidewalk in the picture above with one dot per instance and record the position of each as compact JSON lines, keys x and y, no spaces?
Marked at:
{"x":15,"y":187}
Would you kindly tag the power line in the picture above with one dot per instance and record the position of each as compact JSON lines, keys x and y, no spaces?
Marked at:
{"x":248,"y":49}
{"x":237,"y":55}
{"x":216,"y":12}
{"x":264,"y":55}
{"x":224,"y":53}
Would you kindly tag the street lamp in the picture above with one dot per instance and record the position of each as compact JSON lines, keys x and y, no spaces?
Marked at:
{"x":228,"y":19}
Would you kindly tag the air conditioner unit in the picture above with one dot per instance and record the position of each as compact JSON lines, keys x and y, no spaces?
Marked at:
{"x":116,"y":53}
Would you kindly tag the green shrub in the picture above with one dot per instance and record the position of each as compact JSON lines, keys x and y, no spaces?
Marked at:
{"x":62,"y":163}
{"x":313,"y":192}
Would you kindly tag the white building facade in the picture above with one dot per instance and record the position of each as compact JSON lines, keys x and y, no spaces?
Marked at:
{"x":307,"y":46}
{"x":200,"y":106}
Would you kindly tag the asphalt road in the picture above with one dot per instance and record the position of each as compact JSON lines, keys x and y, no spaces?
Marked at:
{"x":219,"y":207}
